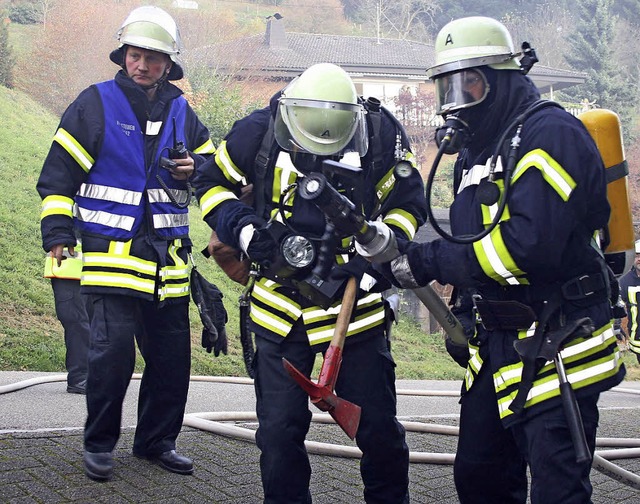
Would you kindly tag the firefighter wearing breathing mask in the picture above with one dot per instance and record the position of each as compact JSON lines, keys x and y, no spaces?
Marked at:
{"x":530,"y":195}
{"x":317,"y":117}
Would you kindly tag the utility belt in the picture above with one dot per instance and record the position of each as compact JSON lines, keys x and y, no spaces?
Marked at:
{"x":549,"y":305}
{"x":522,"y":312}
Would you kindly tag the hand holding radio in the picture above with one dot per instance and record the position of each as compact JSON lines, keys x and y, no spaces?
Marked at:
{"x":179,"y":163}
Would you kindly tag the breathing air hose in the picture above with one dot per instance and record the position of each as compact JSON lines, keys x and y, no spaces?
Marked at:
{"x":214,"y":422}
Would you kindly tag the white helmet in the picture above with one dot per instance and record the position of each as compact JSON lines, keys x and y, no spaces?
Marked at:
{"x":637,"y":246}
{"x":154,"y":29}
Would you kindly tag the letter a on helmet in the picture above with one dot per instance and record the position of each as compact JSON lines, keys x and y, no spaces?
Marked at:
{"x":472,"y":42}
{"x":319,"y":113}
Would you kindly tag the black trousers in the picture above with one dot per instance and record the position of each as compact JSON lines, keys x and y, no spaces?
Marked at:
{"x":366,"y":378}
{"x":163,"y":338}
{"x":491,"y":461}
{"x":71,"y":310}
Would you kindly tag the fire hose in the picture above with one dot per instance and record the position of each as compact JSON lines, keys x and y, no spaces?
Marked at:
{"x":214,"y":422}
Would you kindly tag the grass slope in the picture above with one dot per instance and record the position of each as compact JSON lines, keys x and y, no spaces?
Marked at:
{"x":30,"y":335}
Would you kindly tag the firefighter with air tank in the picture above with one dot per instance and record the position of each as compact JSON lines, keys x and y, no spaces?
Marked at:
{"x":530,"y":268}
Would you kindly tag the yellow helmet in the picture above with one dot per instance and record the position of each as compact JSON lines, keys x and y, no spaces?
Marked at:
{"x":319,"y":113}
{"x":462,"y":46}
{"x":472,"y":42}
{"x":154,"y":29}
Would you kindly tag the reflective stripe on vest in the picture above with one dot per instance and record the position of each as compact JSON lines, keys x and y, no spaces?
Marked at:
{"x":111,"y":202}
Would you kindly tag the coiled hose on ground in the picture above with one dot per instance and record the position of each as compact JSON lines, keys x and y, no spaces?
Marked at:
{"x":216,"y":423}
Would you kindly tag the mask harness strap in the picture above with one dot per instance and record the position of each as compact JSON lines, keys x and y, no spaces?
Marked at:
{"x":489,"y":193}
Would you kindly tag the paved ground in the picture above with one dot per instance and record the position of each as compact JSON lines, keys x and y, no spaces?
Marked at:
{"x":41,"y":448}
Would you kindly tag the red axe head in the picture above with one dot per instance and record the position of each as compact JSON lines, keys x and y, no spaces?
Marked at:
{"x":345,"y":413}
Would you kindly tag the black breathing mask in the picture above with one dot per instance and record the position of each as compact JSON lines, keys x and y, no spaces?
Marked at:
{"x":455,"y":132}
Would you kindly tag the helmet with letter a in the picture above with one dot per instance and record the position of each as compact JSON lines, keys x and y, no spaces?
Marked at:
{"x":151,"y":28}
{"x":319,"y":113}
{"x":462,"y":47}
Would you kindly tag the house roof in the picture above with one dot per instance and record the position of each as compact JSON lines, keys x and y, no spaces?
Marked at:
{"x":280,"y":54}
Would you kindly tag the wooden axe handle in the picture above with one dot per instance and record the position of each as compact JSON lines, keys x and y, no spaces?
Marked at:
{"x":344,"y":317}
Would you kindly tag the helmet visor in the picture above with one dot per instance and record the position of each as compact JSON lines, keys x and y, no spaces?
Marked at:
{"x":460,"y":90}
{"x":321,"y":127}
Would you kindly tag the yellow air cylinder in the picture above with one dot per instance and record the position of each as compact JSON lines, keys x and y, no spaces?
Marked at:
{"x":604,"y":127}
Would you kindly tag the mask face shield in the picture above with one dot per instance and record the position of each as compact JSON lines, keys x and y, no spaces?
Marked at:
{"x":321,"y":127}
{"x":460,"y":90}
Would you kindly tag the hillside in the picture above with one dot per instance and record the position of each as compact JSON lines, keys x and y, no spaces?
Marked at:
{"x":30,"y":335}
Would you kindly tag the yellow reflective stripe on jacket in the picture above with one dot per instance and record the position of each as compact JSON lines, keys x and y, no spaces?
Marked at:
{"x":473,"y":367}
{"x":277,"y":313}
{"x":369,"y":313}
{"x":118,"y":279}
{"x":496,"y":261}
{"x":581,"y":371}
{"x":489,"y":212}
{"x":174,"y":279}
{"x":205,"y":148}
{"x":284,"y":174}
{"x":75,"y":150}
{"x":552,"y":172}
{"x":213,"y":197}
{"x":402,"y":219}
{"x":281,"y":313}
{"x":122,"y":270}
{"x":56,"y":205}
{"x":231,"y":172}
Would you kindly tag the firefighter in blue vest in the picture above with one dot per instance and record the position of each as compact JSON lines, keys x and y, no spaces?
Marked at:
{"x":530,"y":197}
{"x":72,"y":312}
{"x":317,"y":117}
{"x":629,"y":288}
{"x":119,"y":171}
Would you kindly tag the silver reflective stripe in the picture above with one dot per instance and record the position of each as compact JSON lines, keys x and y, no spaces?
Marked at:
{"x":477,"y":173}
{"x":160,"y":195}
{"x":170,"y":220}
{"x":105,"y":218}
{"x":107,"y":193}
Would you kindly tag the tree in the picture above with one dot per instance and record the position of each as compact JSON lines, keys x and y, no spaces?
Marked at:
{"x":6,"y":55}
{"x":592,"y":53}
{"x":394,"y":18}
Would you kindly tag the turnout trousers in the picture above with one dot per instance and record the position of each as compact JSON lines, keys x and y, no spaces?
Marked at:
{"x":164,"y":342}
{"x":366,"y":378}
{"x":491,"y":461}
{"x":71,"y":310}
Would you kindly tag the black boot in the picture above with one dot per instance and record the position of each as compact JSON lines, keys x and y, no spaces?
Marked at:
{"x":98,"y":466}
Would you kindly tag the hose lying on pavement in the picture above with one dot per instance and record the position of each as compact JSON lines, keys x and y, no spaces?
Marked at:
{"x":213,"y":422}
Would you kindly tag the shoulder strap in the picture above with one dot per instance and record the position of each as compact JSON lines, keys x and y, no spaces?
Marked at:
{"x":262,"y":163}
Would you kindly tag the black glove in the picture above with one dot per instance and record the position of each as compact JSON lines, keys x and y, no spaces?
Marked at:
{"x":463,"y":309}
{"x":208,"y":298}
{"x":459,"y":353}
{"x":262,"y":247}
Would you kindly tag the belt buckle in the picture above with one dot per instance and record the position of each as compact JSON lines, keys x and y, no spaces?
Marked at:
{"x":580,"y":279}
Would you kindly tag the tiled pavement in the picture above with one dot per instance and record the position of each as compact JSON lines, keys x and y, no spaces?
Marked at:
{"x":42,"y":462}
